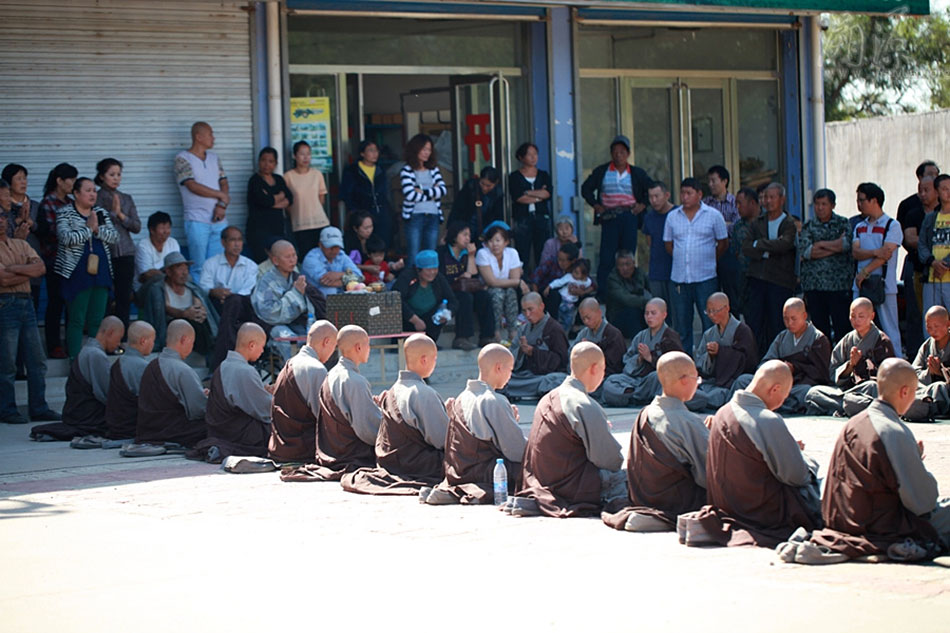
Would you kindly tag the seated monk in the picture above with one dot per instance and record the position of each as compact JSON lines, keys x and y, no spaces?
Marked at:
{"x":541,"y":350}
{"x":879,"y":495}
{"x":638,"y":383}
{"x":87,"y":388}
{"x":483,"y":427}
{"x":296,"y":408}
{"x":666,"y":463}
{"x":125,"y":379}
{"x":760,"y":487}
{"x":572,"y":463}
{"x":726,"y":351}
{"x":933,"y":396}
{"x":239,"y":405}
{"x":804,"y":349}
{"x":411,"y":440}
{"x":603,"y":334}
{"x":172,"y":401}
{"x":349,"y":418}
{"x":854,"y":362}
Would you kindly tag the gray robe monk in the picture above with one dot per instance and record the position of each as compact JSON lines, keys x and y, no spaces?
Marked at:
{"x":531,"y":376}
{"x":172,"y":402}
{"x":737,"y":355}
{"x":638,"y":382}
{"x":603,"y":338}
{"x":933,"y":395}
{"x":875,"y":348}
{"x":810,"y":357}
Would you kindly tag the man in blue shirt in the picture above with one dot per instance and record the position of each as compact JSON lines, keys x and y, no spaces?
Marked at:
{"x":661,"y":262}
{"x":325,"y":266}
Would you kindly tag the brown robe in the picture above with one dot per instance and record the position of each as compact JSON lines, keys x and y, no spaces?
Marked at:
{"x":659,"y":485}
{"x":122,"y":408}
{"x":82,"y":413}
{"x":293,"y":433}
{"x":734,"y":360}
{"x":748,"y":505}
{"x":339,"y":449}
{"x":861,"y":506}
{"x":556,"y":471}
{"x":810,"y":366}
{"x":470,"y":462}
{"x":405,"y":461}
{"x":162,"y":416}
{"x":231,"y":429}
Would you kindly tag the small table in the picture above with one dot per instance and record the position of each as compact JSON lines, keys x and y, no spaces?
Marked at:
{"x":399,"y":346}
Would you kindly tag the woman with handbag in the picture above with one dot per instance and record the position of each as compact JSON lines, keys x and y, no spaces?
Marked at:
{"x":457,"y":263}
{"x":84,"y":232}
{"x":125,"y":219}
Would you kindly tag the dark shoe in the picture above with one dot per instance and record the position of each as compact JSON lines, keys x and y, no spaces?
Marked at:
{"x":485,"y":340}
{"x":58,"y":352}
{"x":47,"y":416}
{"x":14,"y":418}
{"x":463,"y":344}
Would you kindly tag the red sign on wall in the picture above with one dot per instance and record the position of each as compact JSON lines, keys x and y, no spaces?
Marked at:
{"x":478,"y":135}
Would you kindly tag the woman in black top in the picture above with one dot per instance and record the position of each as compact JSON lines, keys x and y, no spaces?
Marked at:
{"x":457,"y":261}
{"x":267,"y":200}
{"x":480,"y":201}
{"x":530,"y":191}
{"x":360,"y":192}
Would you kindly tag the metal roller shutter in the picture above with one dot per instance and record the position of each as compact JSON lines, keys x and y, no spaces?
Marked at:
{"x":81,"y":80}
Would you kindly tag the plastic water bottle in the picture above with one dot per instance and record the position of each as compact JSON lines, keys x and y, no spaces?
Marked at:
{"x":441,"y":316}
{"x":500,"y":477}
{"x":310,"y":317}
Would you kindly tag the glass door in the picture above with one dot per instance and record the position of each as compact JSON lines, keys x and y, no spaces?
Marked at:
{"x":481,"y":130}
{"x":678,"y":127}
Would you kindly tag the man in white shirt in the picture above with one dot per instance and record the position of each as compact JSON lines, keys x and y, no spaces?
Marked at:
{"x":876,"y":240}
{"x":695,"y":235}
{"x":229,"y":272}
{"x":150,"y":253}
{"x":204,"y":195}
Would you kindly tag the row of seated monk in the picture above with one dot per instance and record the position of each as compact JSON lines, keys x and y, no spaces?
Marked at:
{"x":735,"y":478}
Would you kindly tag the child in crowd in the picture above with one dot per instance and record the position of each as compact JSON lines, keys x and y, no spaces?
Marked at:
{"x":376,"y":252}
{"x":564,"y":229}
{"x":577,"y":277}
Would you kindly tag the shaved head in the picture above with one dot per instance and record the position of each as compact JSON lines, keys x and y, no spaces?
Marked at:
{"x":583,"y":355}
{"x":279,"y":247}
{"x":111,"y":325}
{"x":493,"y":354}
{"x":794,"y":304}
{"x":772,"y":383}
{"x":718,"y":299}
{"x":892,"y":375}
{"x":179,"y":329}
{"x":658,"y":303}
{"x":199,"y":127}
{"x":862,"y":303}
{"x":350,"y":335}
{"x":139,"y":330}
{"x":249,"y":332}
{"x":590,"y":303}
{"x":938,"y":312}
{"x":672,"y":366}
{"x":533,"y":298}
{"x":323,"y":329}
{"x":421,"y":354}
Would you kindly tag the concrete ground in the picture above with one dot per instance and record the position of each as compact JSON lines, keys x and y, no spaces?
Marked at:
{"x":95,"y":542}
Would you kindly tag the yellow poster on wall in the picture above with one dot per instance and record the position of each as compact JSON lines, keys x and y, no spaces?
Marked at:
{"x":310,"y":122}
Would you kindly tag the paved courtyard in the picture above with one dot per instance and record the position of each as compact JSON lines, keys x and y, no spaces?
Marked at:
{"x":95,"y":542}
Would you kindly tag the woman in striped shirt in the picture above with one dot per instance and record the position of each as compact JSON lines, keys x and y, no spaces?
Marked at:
{"x":422,"y":191}
{"x":84,"y":233}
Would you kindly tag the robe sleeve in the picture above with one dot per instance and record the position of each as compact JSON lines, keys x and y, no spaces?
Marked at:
{"x":357,"y":402}
{"x":554,"y":358}
{"x":782,"y":454}
{"x":247,"y":393}
{"x":839,"y":361}
{"x":739,"y":358}
{"x":691,"y":441}
{"x":507,"y":435}
{"x":631,"y":358}
{"x":705,"y":363}
{"x":916,"y":486}
{"x":920,"y":363}
{"x":431,"y":416}
{"x":815,"y":367}
{"x":184,"y":382}
{"x":98,"y":372}
{"x":612,"y":345}
{"x":592,"y":427}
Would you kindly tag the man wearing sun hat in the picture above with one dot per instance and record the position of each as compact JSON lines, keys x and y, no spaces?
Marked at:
{"x":178,"y":297}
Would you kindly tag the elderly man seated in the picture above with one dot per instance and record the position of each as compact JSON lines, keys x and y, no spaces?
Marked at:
{"x":628,"y":291}
{"x":327,"y":265}
{"x":180,"y":298}
{"x":280,"y":299}
{"x":229,"y":272}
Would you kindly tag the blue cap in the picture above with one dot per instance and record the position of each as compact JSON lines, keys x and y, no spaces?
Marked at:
{"x":494,"y":224}
{"x":623,"y":140}
{"x":427,"y":259}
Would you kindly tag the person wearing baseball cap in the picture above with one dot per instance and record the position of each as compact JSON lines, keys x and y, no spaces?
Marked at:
{"x":618,"y":193}
{"x":326,"y":265}
{"x":423,"y":289}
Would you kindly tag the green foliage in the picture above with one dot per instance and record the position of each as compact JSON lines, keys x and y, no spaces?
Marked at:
{"x":876,"y":65}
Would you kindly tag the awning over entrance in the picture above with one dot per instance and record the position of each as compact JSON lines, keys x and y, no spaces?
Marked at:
{"x":910,"y":7}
